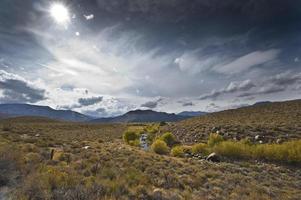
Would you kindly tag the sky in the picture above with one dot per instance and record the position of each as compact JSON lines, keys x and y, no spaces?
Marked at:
{"x":106,"y":57}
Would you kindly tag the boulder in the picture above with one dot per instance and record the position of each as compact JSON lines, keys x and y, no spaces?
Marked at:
{"x":213,"y":157}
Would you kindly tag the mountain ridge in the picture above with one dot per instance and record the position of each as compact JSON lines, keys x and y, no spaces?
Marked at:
{"x":17,"y":110}
{"x":142,"y":116}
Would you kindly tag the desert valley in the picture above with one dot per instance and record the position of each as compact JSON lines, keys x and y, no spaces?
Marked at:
{"x":256,"y":155}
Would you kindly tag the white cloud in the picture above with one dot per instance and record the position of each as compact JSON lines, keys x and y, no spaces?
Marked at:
{"x":247,"y":61}
{"x":89,"y":17}
{"x":192,"y":62}
{"x":233,"y":87}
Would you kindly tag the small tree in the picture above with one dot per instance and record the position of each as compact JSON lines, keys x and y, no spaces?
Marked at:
{"x":160,"y":147}
{"x":169,"y":139}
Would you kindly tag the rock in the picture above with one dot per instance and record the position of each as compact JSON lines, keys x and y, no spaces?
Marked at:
{"x":260,"y":141}
{"x":55,"y":154}
{"x":187,"y":155}
{"x":257,"y":137}
{"x":213,"y":157}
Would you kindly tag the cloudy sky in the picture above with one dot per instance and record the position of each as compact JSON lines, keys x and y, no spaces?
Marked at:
{"x":106,"y":57}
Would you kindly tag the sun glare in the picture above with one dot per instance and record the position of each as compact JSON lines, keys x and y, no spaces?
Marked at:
{"x":60,"y":13}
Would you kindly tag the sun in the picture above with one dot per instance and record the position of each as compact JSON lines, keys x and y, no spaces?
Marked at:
{"x":60,"y":13}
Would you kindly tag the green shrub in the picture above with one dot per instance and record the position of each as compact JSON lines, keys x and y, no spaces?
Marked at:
{"x":130,"y":136}
{"x":178,"y":151}
{"x":169,"y":139}
{"x":214,"y":139}
{"x":200,"y":148}
{"x":160,"y":147}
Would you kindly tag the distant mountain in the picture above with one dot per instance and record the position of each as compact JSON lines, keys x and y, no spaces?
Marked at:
{"x":142,"y":116}
{"x":192,"y":113}
{"x":16,"y":110}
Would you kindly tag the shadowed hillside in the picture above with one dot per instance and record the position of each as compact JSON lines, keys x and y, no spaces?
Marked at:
{"x":271,"y":121}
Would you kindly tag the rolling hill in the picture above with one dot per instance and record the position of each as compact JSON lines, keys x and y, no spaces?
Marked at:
{"x":271,"y":121}
{"x":16,"y":110}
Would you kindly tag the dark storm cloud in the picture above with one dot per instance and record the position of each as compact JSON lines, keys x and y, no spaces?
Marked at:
{"x":177,"y":10}
{"x":83,"y":102}
{"x":187,"y":104}
{"x":19,"y":91}
{"x":89,"y":101}
{"x":150,"y":104}
{"x":100,"y":112}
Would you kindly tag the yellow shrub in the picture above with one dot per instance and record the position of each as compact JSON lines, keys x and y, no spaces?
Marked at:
{"x":168,"y":138}
{"x":160,"y":147}
{"x":233,"y":149}
{"x":288,"y":152}
{"x":178,"y":151}
{"x":200,"y":148}
{"x":214,"y":139}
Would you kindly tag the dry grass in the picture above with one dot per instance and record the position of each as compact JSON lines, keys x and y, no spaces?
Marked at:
{"x":110,"y":169}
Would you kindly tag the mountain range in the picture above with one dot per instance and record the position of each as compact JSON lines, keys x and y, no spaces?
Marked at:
{"x":17,"y":110}
{"x":144,"y":116}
